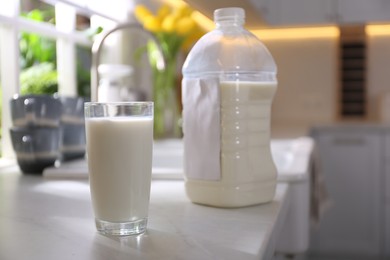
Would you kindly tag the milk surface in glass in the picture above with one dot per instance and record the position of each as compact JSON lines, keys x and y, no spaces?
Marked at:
{"x":248,"y":173}
{"x":119,"y":160}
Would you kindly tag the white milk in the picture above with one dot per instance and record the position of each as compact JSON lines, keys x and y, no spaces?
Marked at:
{"x":120,"y":166}
{"x":248,"y":173}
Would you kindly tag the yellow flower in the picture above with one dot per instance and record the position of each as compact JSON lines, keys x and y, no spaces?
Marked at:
{"x":183,"y":11}
{"x":152,"y":24}
{"x":163,"y":11}
{"x":168,"y":24}
{"x":141,"y":13}
{"x":185,"y":25}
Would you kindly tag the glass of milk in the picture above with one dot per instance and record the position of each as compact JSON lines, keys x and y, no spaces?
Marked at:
{"x":119,"y":139}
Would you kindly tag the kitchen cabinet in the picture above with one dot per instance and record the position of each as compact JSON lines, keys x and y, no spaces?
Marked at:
{"x":299,"y":12}
{"x":387,"y":193}
{"x":317,"y":12}
{"x":352,"y":162}
{"x":362,"y":11}
{"x":387,"y":230}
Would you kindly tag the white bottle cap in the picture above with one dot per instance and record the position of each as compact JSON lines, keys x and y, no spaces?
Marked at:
{"x":230,"y":13}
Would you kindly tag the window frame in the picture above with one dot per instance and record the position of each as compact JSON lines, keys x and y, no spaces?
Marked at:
{"x":67,"y":38}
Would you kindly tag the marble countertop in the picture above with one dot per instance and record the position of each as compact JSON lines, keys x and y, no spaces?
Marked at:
{"x":53,"y":219}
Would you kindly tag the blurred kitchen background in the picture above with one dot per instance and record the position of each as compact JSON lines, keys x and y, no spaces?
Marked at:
{"x":333,"y":59}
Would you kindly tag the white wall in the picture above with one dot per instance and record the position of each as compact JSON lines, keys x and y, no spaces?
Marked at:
{"x":378,"y":76}
{"x":308,"y":79}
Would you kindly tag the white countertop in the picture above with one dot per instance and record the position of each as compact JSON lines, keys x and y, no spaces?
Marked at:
{"x":52,"y":219}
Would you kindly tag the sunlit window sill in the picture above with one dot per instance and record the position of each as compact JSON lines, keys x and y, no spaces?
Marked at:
{"x":6,"y":163}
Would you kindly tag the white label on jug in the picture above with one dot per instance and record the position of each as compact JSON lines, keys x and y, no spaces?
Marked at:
{"x":201,"y":128}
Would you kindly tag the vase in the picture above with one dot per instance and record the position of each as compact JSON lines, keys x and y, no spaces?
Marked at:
{"x":167,"y":111}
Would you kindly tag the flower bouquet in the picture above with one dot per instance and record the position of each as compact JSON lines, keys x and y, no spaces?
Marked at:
{"x":175,"y":30}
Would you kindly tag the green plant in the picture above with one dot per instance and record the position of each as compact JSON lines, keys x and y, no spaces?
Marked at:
{"x":39,"y":79}
{"x":38,"y":59}
{"x":35,"y":49}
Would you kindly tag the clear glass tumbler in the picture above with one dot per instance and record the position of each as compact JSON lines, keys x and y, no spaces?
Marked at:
{"x":119,"y":152}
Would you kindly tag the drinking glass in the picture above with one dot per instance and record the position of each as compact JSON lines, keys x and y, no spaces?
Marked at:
{"x":119,"y":139}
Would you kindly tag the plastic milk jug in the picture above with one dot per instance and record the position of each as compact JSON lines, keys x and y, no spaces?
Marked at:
{"x":229,"y":81}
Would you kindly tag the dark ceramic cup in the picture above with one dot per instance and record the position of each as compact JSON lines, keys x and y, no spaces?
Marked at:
{"x":72,"y":110}
{"x":72,"y":127}
{"x":35,"y":110}
{"x":36,"y":147}
{"x":73,"y":141}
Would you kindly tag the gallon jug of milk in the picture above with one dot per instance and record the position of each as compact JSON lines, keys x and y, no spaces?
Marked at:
{"x":229,"y":81}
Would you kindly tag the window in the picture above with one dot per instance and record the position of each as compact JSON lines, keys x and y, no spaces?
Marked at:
{"x":61,"y":29}
{"x":353,"y":72}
